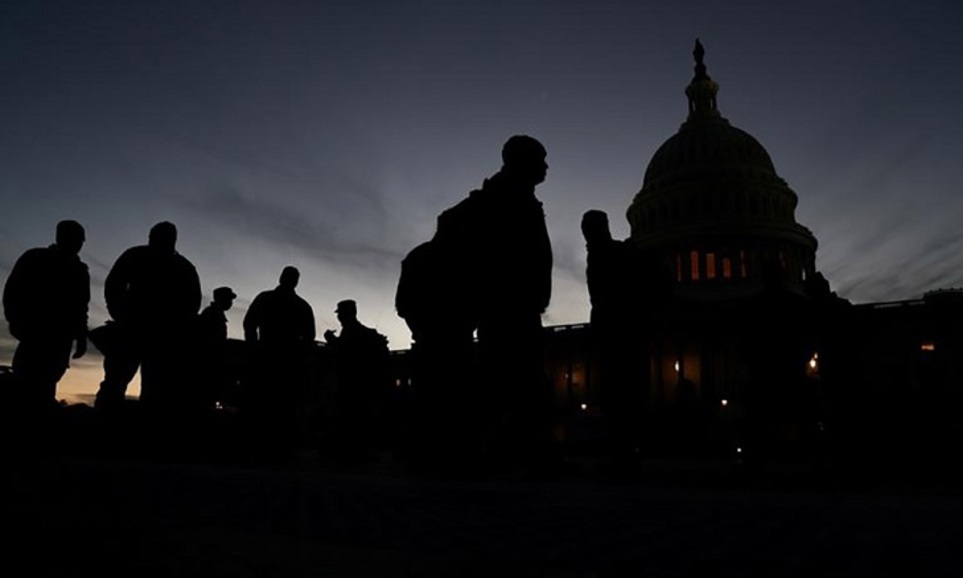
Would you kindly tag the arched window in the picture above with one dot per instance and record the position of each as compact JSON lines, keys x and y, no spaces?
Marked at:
{"x":694,"y":263}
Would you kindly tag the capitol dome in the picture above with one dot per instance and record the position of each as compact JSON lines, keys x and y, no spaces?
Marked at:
{"x":714,"y":207}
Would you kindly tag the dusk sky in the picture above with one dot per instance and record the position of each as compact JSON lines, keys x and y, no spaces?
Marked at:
{"x":329,"y":135}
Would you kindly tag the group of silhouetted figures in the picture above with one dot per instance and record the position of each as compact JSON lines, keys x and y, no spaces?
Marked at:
{"x":472,"y":297}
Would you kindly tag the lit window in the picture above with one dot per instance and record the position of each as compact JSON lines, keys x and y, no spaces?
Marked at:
{"x":710,"y":265}
{"x":677,"y":367}
{"x":694,"y":262}
{"x":928,"y":346}
{"x":726,"y":268}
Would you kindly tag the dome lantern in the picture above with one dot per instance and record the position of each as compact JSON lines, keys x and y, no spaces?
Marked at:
{"x":702,"y":90}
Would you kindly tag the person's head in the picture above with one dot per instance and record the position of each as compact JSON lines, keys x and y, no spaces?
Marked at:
{"x":163,"y":236}
{"x":224,"y":297}
{"x":289,"y":277}
{"x":595,"y":226}
{"x":523,"y":158}
{"x":70,"y":236}
{"x":347,"y":310}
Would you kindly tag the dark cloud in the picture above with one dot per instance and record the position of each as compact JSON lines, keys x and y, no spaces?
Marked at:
{"x":329,"y":238}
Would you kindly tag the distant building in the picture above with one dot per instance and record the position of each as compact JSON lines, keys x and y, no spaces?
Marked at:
{"x":751,"y":337}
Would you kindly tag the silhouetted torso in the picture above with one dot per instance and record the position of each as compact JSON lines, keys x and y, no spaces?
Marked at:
{"x":279,"y":317}
{"x":47,"y":295}
{"x":501,"y":234}
{"x":212,"y":325}
{"x":153,"y":294}
{"x":45,"y":301}
{"x":152,"y":290}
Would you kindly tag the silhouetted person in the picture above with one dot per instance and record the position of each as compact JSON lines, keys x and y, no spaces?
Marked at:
{"x":45,"y":302}
{"x":280,"y":324}
{"x":504,"y":245}
{"x":432,"y":299}
{"x":153,"y":294}
{"x":211,"y":338}
{"x":361,"y":357}
{"x":615,"y":289}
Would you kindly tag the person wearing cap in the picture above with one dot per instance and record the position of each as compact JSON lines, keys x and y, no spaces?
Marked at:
{"x":211,"y":349}
{"x":213,"y":321}
{"x":45,"y":302}
{"x":361,"y":357}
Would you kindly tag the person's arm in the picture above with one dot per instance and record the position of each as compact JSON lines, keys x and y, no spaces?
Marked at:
{"x":196,"y":295}
{"x":115,"y":286}
{"x":310,"y":330}
{"x":252,"y":319}
{"x":544,"y":263}
{"x":13,"y":296}
{"x":83,"y":303}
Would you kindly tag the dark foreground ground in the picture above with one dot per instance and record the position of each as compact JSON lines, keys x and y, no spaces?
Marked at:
{"x":86,"y":516}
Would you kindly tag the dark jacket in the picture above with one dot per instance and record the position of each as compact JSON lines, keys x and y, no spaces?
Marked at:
{"x":279,"y":317}
{"x":501,"y":233}
{"x":152,"y":289}
{"x":47,"y":295}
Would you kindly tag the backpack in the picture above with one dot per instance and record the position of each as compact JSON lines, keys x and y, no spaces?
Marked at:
{"x":435,"y":288}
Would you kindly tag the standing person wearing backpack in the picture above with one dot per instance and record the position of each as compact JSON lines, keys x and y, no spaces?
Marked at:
{"x":499,"y":255}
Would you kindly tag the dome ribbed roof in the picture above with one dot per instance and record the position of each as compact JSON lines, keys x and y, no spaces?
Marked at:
{"x":708,"y":147}
{"x":706,"y":144}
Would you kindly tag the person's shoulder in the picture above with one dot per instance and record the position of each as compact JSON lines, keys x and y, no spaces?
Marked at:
{"x":456,"y":211}
{"x":184,"y":262}
{"x":33,"y":255}
{"x":262,"y":296}
{"x":131,"y":255}
{"x":135,"y":251}
{"x":374,"y":336}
